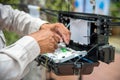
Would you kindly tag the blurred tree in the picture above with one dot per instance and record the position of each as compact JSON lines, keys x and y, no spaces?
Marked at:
{"x":9,"y":1}
{"x":59,"y":5}
{"x":11,"y":37}
{"x":64,"y":5}
{"x":115,"y":12}
{"x":115,"y":9}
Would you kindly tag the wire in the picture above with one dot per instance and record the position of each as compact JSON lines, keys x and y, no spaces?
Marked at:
{"x":77,"y":59}
{"x":46,"y":62}
{"x":92,"y":48}
{"x":88,"y":60}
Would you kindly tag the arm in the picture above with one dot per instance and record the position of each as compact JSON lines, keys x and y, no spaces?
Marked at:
{"x":15,"y":58}
{"x":18,"y":21}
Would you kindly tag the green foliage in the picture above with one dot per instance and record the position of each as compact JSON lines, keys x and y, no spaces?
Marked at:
{"x":115,"y":9}
{"x":11,"y":37}
{"x":9,"y":1}
{"x":59,"y":5}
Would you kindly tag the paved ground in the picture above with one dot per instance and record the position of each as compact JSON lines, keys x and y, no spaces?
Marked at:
{"x":115,"y":41}
{"x":105,"y":71}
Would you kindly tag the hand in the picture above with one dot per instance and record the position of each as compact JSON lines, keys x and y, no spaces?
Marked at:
{"x":46,"y":39}
{"x":60,"y":29}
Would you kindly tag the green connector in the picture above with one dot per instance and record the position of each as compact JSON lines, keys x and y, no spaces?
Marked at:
{"x":64,"y":50}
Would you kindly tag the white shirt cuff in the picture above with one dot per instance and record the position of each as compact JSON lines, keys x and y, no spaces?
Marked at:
{"x":23,"y":51}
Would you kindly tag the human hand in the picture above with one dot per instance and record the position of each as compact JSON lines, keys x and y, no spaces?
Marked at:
{"x":46,"y":39}
{"x":60,"y":29}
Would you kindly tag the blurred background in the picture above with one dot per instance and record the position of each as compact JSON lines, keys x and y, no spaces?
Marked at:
{"x":104,"y":7}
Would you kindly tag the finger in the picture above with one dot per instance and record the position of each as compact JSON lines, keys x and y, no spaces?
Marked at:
{"x":63,"y":32}
{"x":53,"y":45}
{"x":66,"y":38}
{"x":57,"y":37}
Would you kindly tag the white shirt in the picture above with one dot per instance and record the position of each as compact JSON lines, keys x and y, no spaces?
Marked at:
{"x":15,"y":58}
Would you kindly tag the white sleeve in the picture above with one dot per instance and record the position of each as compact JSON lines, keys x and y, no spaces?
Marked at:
{"x":15,"y":58}
{"x":18,"y":21}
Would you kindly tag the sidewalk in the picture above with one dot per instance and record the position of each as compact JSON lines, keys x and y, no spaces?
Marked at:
{"x":106,"y":71}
